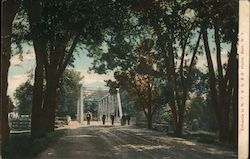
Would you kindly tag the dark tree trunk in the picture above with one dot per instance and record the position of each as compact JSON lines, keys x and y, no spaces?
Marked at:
{"x":234,"y":81}
{"x":179,"y":124}
{"x":212,"y":79}
{"x":50,"y":104}
{"x":37,"y":120}
{"x":52,"y":82}
{"x":223,"y":97}
{"x":149,"y":121}
{"x":9,"y":9}
{"x":218,"y":106}
{"x":179,"y":127}
{"x":38,"y":126}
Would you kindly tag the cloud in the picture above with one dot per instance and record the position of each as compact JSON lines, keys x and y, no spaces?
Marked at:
{"x":15,"y":81}
{"x":16,"y":78}
{"x":202,"y":60}
{"x":92,"y":78}
{"x":25,"y":57}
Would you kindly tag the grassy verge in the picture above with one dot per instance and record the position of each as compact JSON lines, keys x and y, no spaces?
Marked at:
{"x":199,"y":136}
{"x":205,"y":137}
{"x":21,"y":145}
{"x":202,"y":136}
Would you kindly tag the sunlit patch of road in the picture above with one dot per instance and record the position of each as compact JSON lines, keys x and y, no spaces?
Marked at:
{"x":127,"y":142}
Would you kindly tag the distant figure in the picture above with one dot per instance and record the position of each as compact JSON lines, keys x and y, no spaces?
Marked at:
{"x":112,"y":117}
{"x":123,"y":122}
{"x":128,"y":119}
{"x":88,"y":118}
{"x":103,"y":119}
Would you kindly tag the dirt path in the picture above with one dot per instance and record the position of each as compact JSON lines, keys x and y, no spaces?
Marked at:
{"x":117,"y":142}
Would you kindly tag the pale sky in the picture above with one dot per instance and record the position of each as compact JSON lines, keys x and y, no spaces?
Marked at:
{"x":19,"y":70}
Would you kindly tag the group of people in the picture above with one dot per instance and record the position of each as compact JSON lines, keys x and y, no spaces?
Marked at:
{"x":124,"y":119}
{"x":112,"y":117}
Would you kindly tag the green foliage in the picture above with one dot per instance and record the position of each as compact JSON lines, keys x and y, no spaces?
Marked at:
{"x":23,"y":96}
{"x":140,"y":84}
{"x":224,"y":13}
{"x":69,"y":93}
{"x":199,"y":115}
{"x":63,"y":19}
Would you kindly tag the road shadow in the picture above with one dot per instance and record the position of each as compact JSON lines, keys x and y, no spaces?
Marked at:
{"x":21,"y":145}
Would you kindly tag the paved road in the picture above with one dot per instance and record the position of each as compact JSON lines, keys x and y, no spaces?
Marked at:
{"x":117,"y":142}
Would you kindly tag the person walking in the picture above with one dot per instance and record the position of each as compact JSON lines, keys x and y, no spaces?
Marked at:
{"x":112,"y":117}
{"x":128,"y":119}
{"x":123,"y":121}
{"x":88,"y":118}
{"x":103,"y":119}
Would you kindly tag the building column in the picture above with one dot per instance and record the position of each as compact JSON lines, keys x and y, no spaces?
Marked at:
{"x":119,"y":103}
{"x":80,"y":106}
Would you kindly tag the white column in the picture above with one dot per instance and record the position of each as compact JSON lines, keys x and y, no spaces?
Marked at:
{"x":78,"y":104}
{"x":81,"y":106}
{"x":78,"y":107}
{"x":112,"y":104}
{"x":102,"y":109}
{"x":116,"y":106}
{"x":107,"y":110}
{"x":119,"y":102}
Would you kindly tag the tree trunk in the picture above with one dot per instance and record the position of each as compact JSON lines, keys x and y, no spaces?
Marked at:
{"x":50,"y":104}
{"x":221,"y":111}
{"x":149,"y":121}
{"x":37,"y":122}
{"x":37,"y":119}
{"x":235,"y":118}
{"x":234,"y":81}
{"x":212,"y":79}
{"x":9,"y":10}
{"x":179,"y":126}
{"x":52,"y":81}
{"x":222,"y":132}
{"x":223,"y":103}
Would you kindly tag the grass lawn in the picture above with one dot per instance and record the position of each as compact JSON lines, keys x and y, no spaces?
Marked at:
{"x":205,"y":137}
{"x":21,"y":145}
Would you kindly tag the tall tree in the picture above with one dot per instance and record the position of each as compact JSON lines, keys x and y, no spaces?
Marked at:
{"x":34,"y":10}
{"x":169,"y":24}
{"x":69,"y":92}
{"x":9,"y":8}
{"x":221,"y":17}
{"x":56,"y":28}
{"x":175,"y":31}
{"x":141,"y":80}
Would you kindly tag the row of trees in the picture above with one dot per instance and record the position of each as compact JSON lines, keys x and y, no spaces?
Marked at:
{"x":54,"y":29}
{"x":67,"y":97}
{"x":160,"y":54}
{"x":153,"y":44}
